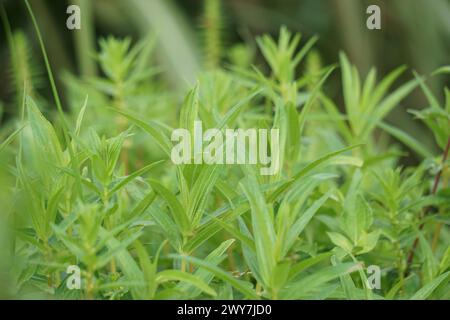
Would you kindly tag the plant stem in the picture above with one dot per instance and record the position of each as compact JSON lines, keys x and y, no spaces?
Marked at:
{"x":426,"y":211}
{"x":108,"y":225}
{"x":212,"y":24}
{"x":89,"y":286}
{"x":437,"y":231}
{"x":183,"y":265}
{"x":84,"y":40}
{"x":122,"y":124}
{"x":258,"y":289}
{"x":113,"y":266}
{"x":65,"y":125}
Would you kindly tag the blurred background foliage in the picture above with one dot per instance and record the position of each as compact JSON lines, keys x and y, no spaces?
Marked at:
{"x":414,"y":33}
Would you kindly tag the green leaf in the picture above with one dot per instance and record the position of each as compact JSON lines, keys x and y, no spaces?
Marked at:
{"x":350,"y":290}
{"x":308,"y":283}
{"x":148,"y":269}
{"x":80,"y":117}
{"x":340,"y":241}
{"x":215,"y":257}
{"x":243,"y":287}
{"x":307,"y":263}
{"x":384,"y":86}
{"x":154,"y":128}
{"x":262,"y":223}
{"x":368,"y":241}
{"x":445,"y":261}
{"x":189,"y":110}
{"x":407,"y":140}
{"x":442,"y":70}
{"x":430,"y":287}
{"x":105,"y":258}
{"x":315,"y":93}
{"x":127,"y":264}
{"x":201,"y":192}
{"x":177,"y":275}
{"x":178,"y":213}
{"x":44,"y":134}
{"x":312,"y":165}
{"x":211,"y":227}
{"x":430,"y":265}
{"x":303,"y":220}
{"x":170,"y":229}
{"x":236,"y":234}
{"x":11,"y":138}
{"x":386,"y":106}
{"x":234,"y":111}
{"x":124,"y":181}
{"x":393,"y":291}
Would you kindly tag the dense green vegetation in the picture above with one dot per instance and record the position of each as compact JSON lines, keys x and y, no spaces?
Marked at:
{"x":90,"y":183}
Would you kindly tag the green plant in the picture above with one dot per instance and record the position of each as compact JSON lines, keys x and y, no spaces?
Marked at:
{"x":95,"y":187}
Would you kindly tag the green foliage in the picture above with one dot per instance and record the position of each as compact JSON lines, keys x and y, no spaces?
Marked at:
{"x":436,"y":117}
{"x":94,"y":187}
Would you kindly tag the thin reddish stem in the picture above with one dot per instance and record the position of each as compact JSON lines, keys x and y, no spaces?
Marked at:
{"x":426,"y":211}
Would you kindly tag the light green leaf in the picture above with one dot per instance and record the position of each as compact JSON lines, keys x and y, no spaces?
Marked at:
{"x":262,"y":223}
{"x":430,"y":287}
{"x":177,"y":275}
{"x":340,"y":241}
{"x":240,"y":285}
